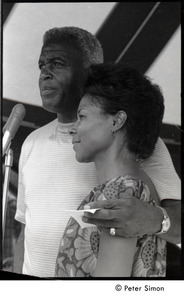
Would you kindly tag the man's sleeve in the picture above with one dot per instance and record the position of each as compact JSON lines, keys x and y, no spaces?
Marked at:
{"x":160,"y":169}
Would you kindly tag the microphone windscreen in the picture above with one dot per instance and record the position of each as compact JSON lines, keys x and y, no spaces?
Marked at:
{"x":15,"y":119}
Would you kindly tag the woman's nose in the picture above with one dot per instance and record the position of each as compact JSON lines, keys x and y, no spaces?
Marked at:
{"x":72,"y":131}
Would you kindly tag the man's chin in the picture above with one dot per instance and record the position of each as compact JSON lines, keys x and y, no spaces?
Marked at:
{"x":49,"y":107}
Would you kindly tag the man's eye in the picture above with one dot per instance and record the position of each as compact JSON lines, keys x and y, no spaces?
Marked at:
{"x":41,"y":66}
{"x":57,"y":64}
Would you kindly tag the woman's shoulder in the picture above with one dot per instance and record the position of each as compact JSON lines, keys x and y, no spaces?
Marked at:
{"x":119,"y":187}
{"x":126,"y":186}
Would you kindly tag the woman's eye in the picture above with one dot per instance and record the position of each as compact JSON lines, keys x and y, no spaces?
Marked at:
{"x":81,"y":117}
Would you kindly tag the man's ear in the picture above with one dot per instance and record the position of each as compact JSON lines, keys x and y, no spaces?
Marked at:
{"x":119,"y":120}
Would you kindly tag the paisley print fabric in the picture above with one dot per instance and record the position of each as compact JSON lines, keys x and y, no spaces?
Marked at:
{"x":78,"y":250}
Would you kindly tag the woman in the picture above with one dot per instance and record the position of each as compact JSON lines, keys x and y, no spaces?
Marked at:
{"x":119,"y":120}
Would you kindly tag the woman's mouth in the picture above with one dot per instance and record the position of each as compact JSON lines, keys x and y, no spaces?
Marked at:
{"x":75,"y":143}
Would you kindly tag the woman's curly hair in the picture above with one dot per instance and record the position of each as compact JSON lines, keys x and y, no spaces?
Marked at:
{"x":117,"y":87}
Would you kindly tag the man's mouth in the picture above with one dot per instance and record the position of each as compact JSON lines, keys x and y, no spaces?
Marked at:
{"x":47,"y":90}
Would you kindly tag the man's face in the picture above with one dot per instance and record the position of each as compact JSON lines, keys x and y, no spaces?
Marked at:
{"x":60,"y":77}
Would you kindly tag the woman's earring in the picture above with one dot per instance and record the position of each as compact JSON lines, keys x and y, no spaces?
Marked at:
{"x":113,"y":134}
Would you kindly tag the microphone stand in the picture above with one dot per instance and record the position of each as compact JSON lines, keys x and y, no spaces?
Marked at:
{"x":8,"y":165}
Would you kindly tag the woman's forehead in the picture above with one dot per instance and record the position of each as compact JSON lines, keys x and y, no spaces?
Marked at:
{"x":87,"y":102}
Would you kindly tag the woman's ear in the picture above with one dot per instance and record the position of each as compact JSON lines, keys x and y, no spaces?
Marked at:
{"x":119,"y":120}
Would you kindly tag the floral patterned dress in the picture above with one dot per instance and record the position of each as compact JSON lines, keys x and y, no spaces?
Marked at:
{"x":78,"y":251}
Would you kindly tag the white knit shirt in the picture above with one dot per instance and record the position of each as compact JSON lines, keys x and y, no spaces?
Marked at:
{"x":51,"y":180}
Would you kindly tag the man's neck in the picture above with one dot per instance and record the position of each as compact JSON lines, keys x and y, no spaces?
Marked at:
{"x":66,"y":118}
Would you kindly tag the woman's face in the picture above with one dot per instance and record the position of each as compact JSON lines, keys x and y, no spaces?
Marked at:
{"x":93,"y":135}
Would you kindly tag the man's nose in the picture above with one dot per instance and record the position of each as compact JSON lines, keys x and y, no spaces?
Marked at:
{"x":46,"y":73}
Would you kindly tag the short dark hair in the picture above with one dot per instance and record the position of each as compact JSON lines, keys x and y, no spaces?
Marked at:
{"x":87,"y":43}
{"x":117,"y":87}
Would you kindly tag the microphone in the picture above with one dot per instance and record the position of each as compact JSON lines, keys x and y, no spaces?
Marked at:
{"x":12,"y":125}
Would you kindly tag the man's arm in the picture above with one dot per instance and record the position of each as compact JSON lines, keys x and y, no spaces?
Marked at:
{"x":173,"y":209}
{"x":135,"y":218}
{"x":19,"y":253}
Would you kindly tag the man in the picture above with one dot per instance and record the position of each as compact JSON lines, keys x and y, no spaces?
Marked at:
{"x":50,"y":179}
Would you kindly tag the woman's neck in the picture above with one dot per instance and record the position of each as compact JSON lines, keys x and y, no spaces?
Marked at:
{"x":114,"y":164}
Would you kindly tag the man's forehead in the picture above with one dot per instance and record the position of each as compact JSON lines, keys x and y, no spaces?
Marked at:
{"x":60,"y":49}
{"x":56,"y":48}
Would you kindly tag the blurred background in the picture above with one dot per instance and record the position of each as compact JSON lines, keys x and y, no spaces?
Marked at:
{"x":146,"y":35}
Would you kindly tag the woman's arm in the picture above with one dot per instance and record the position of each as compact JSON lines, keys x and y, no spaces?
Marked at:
{"x":116,"y":254}
{"x":115,"y":257}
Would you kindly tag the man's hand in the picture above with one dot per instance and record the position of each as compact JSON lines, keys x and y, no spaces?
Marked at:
{"x":132,"y":217}
{"x":19,"y":253}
